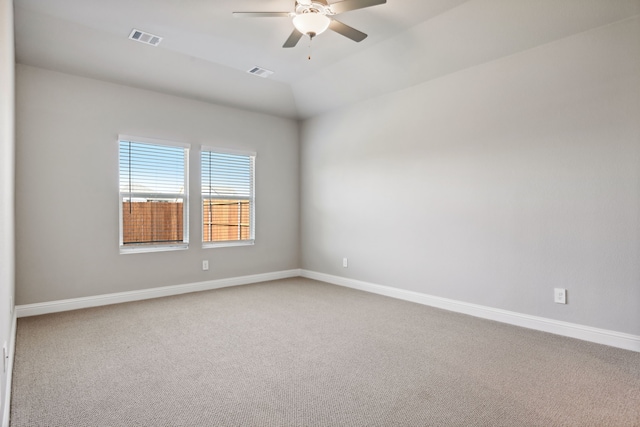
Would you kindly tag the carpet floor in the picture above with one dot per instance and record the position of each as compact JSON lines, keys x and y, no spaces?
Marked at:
{"x":298,"y":352}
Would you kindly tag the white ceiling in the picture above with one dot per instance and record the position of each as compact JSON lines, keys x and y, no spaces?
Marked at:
{"x":206,"y":52}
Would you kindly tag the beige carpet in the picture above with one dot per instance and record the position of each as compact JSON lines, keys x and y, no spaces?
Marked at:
{"x":298,"y":352}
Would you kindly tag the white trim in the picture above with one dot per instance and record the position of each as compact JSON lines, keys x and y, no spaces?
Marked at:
{"x":228,"y":244}
{"x":155,"y":141}
{"x":141,"y":248}
{"x":120,"y":297}
{"x":204,"y":196}
{"x":222,"y":150}
{"x":184,"y":196}
{"x":573,"y":330}
{"x":7,"y":393}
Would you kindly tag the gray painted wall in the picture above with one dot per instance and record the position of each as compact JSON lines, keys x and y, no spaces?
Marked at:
{"x":7,"y":146}
{"x":67,"y":187}
{"x":492,"y":185}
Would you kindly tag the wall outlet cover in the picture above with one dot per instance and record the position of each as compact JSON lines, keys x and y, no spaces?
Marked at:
{"x":560,"y":296}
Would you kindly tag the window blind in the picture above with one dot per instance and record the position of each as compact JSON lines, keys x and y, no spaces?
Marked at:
{"x":228,"y":208}
{"x":153,"y":194}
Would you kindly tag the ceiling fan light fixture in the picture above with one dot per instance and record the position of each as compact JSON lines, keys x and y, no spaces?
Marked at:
{"x":311,"y":23}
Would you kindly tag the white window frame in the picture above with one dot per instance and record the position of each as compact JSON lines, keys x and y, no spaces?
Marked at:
{"x":159,"y":247}
{"x":252,"y":198}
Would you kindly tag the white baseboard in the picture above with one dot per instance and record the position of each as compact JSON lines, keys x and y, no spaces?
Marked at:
{"x":573,"y":330}
{"x":6,"y":404}
{"x":120,"y":297}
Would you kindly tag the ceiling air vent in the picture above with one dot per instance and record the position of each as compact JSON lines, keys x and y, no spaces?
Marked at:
{"x":260,"y":72}
{"x":146,"y":38}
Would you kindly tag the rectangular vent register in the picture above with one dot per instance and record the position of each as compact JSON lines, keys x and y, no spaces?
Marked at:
{"x":260,"y":72}
{"x":146,"y":38}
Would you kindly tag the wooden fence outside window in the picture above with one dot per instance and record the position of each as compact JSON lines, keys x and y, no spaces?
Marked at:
{"x":162,"y":221}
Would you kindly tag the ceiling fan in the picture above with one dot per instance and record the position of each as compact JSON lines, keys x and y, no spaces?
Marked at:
{"x":312,"y":17}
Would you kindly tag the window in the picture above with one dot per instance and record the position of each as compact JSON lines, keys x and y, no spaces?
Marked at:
{"x":228,"y":208}
{"x":153,"y":195}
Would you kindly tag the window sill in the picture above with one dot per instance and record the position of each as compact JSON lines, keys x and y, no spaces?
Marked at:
{"x":143,"y":249}
{"x":228,"y":244}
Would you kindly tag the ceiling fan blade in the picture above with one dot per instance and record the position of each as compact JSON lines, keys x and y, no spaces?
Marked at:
{"x":347,"y":5}
{"x":347,"y":31}
{"x":293,"y":39}
{"x":262,"y":14}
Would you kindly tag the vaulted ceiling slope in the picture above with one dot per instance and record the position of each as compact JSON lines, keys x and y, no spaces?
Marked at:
{"x":205,"y":52}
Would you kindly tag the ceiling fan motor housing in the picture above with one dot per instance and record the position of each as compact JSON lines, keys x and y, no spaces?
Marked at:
{"x":313,"y":7}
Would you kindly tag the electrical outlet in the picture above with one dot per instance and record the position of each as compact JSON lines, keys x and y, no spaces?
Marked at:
{"x":345,"y":262}
{"x":205,"y":265}
{"x":560,"y":295}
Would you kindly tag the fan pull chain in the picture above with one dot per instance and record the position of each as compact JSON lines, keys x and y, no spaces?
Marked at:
{"x":310,"y":40}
